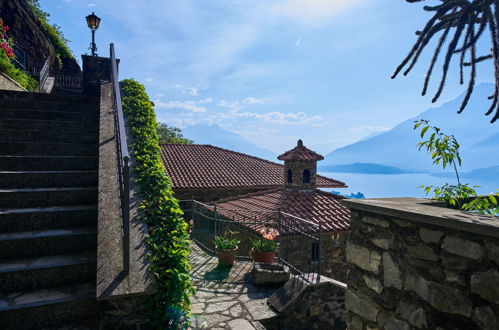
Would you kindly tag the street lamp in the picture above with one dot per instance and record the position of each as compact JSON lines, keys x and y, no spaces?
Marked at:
{"x":93,"y":23}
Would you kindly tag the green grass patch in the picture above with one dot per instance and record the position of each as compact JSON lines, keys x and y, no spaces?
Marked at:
{"x":168,"y":238}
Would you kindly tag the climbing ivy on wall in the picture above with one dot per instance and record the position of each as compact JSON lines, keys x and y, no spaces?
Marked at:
{"x":168,"y":238}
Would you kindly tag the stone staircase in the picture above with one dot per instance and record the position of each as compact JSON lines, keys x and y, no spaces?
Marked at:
{"x":48,"y":210}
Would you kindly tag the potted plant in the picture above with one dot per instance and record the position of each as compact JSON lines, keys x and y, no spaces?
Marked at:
{"x":226,"y":246}
{"x":264,"y":247}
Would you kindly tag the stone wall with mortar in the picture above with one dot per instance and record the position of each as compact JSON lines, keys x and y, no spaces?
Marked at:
{"x":297,"y":167}
{"x":298,"y":250}
{"x":95,"y":70}
{"x":417,"y":266}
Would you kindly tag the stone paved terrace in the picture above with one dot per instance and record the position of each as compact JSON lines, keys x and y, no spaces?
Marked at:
{"x":225,"y":297}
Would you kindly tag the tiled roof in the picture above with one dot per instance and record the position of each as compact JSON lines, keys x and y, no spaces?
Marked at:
{"x":196,"y":166}
{"x":314,"y":206}
{"x":300,"y":152}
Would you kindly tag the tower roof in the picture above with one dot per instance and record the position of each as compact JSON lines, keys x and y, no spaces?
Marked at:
{"x":300,"y":152}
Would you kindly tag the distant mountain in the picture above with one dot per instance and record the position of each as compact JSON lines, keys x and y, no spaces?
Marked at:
{"x":398,"y":147}
{"x":488,"y":173}
{"x":219,"y":137}
{"x":363,"y":168}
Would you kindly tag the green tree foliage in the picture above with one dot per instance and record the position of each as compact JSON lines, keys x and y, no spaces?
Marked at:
{"x":167,"y":134}
{"x":53,"y":32}
{"x":444,"y":150}
{"x":168,"y":238}
{"x":458,"y":24}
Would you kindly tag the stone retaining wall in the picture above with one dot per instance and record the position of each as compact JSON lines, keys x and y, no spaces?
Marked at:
{"x":7,"y":83}
{"x":414,"y":266}
{"x":299,"y":252}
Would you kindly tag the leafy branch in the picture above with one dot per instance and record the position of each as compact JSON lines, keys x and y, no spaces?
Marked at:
{"x":444,"y":150}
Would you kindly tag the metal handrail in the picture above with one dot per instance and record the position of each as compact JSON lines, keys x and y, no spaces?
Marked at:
{"x":68,"y":80}
{"x":214,"y":219}
{"x":123,"y":162}
{"x":44,"y":73}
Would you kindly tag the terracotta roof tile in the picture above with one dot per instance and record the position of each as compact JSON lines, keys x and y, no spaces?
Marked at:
{"x":300,"y":152}
{"x":312,"y":205}
{"x":197,"y":166}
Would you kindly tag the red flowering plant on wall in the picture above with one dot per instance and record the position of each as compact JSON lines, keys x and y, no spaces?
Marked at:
{"x":5,"y":42}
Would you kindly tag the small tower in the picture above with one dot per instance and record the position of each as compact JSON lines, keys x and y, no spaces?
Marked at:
{"x":300,"y":167}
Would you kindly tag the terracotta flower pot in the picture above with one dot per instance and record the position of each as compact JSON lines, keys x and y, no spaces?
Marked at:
{"x":226,"y":257}
{"x":265,"y":257}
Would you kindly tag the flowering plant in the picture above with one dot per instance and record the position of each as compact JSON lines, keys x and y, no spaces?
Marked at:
{"x":5,"y":42}
{"x":227,"y":241}
{"x":267,"y":242}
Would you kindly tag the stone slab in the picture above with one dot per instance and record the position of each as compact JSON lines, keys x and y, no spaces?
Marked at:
{"x":294,"y":287}
{"x":428,"y":212}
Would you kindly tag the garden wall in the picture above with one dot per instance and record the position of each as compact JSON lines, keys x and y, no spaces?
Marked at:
{"x":415,"y":265}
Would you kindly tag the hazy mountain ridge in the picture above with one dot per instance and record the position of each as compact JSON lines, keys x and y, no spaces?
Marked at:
{"x":398,"y":148}
{"x":219,"y":137}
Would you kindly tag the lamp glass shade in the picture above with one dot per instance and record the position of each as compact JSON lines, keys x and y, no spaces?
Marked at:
{"x":93,"y":21}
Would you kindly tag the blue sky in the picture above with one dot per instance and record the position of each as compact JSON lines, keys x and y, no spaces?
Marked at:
{"x":272,"y":71}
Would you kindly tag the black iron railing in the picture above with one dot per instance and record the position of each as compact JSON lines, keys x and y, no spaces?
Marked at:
{"x":123,"y":162}
{"x":68,"y":80}
{"x":299,"y":240}
{"x":20,"y":58}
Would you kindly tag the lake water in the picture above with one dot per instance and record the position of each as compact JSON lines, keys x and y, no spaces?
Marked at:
{"x":399,"y":185}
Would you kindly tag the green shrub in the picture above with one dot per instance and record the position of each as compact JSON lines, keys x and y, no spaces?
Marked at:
{"x":168,"y":238}
{"x":19,"y":76}
{"x":227,"y":241}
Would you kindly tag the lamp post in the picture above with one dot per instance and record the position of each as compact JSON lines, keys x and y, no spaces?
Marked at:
{"x":93,"y":22}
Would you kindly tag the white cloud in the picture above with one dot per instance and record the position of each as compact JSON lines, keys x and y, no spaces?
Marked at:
{"x":252,"y":100}
{"x":231,"y":105}
{"x":276,"y":117}
{"x":298,"y":42}
{"x":91,"y":4}
{"x":191,"y":91}
{"x":148,"y":79}
{"x":188,"y":105}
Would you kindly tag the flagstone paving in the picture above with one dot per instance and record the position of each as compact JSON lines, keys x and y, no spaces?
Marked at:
{"x":225,"y":297}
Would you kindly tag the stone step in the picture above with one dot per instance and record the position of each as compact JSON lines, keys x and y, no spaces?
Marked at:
{"x":30,"y":244}
{"x":44,"y":97}
{"x":39,"y":197}
{"x":41,"y":272}
{"x":50,"y":106}
{"x":48,"y":149}
{"x":45,"y":218}
{"x":50,"y":125}
{"x":48,"y":179}
{"x":48,"y":163}
{"x":49,"y":115}
{"x":17,"y":135}
{"x":52,"y":308}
